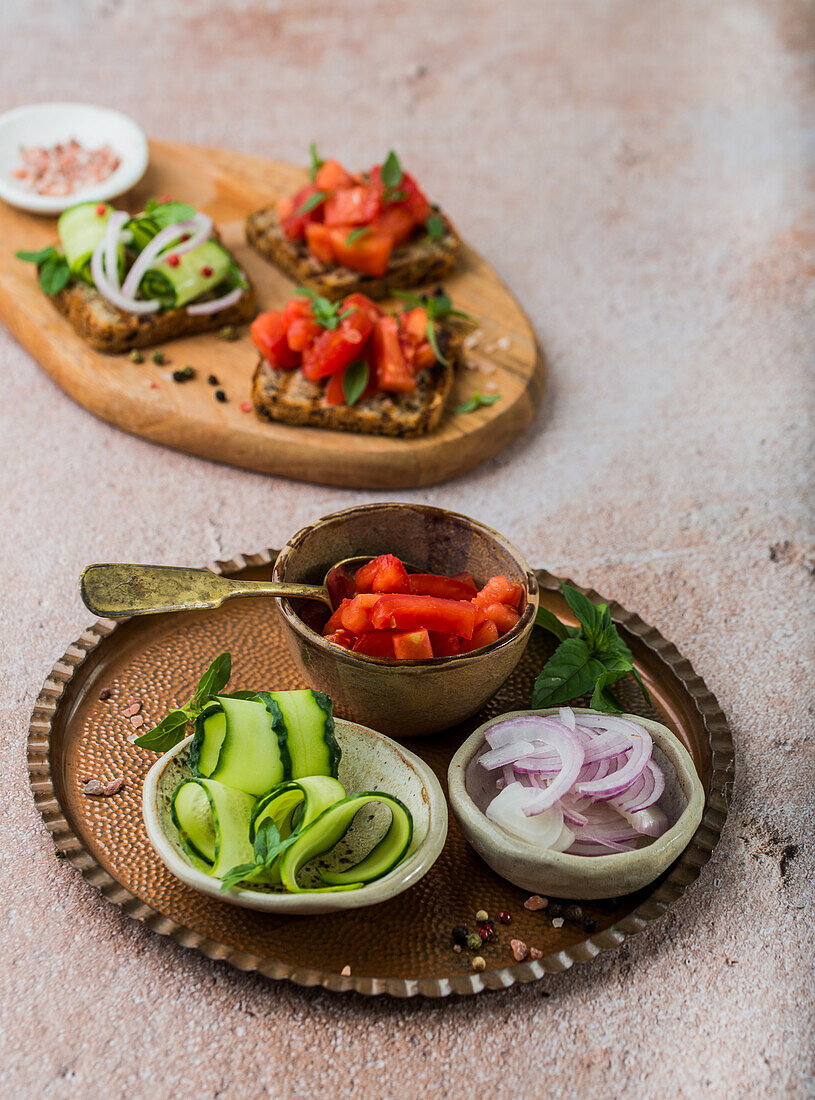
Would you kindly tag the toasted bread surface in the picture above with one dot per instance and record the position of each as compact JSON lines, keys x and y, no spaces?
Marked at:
{"x":110,"y":329}
{"x":419,"y":260}
{"x":289,"y":397}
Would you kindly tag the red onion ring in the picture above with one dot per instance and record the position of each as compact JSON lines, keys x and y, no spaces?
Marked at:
{"x":200,"y":230}
{"x":200,"y":309}
{"x":111,"y":292}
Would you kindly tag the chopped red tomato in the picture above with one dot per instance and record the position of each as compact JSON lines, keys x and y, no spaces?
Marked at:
{"x":318,"y":238}
{"x":503,"y":616}
{"x":414,"y":201}
{"x":483,"y":635}
{"x":394,"y":222}
{"x":334,"y":349}
{"x":383,"y":574}
{"x":269,"y":335}
{"x":335,"y":622}
{"x":467,"y":578}
{"x":369,"y":254}
{"x":431,"y":584}
{"x":340,"y":584}
{"x":393,"y":374}
{"x":331,"y":176}
{"x":445,"y":645}
{"x":500,"y":590}
{"x":335,"y":387}
{"x":412,"y":645}
{"x":423,"y":357}
{"x":342,"y":637}
{"x":377,"y":643}
{"x":356,"y":614}
{"x":295,"y":220}
{"x":413,"y":325}
{"x":352,"y":206}
{"x":414,"y":612}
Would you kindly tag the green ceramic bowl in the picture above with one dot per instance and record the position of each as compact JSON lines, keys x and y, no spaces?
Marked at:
{"x":404,"y":698}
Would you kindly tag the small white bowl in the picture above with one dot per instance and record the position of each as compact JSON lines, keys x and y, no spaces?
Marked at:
{"x":370,"y":762}
{"x":47,"y":124}
{"x":567,"y":876}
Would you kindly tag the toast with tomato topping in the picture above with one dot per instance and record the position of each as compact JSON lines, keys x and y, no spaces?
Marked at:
{"x":289,"y":397}
{"x":371,"y":232}
{"x":109,"y":329}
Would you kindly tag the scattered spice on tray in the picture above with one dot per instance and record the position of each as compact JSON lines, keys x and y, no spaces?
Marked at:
{"x":557,"y":922}
{"x":457,"y":948}
{"x":136,"y":721}
{"x":573,"y":913}
{"x":504,"y":916}
{"x":184,"y":374}
{"x":536,"y":902}
{"x":64,"y":168}
{"x":589,"y":925}
{"x":95,"y":787}
{"x":482,"y":915}
{"x":519,"y":950}
{"x":487,"y":932}
{"x":105,"y":694}
{"x":535,"y":953}
{"x":474,"y":941}
{"x":478,"y":963}
{"x":555,"y":909}
{"x":346,"y":971}
{"x":459,"y":934}
{"x":131,"y":710}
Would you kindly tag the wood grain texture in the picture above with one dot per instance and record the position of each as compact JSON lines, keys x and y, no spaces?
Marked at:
{"x":143,"y":399}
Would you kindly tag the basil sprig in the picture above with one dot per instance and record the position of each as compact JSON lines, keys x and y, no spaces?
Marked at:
{"x":355,"y":234}
{"x":54,"y":271}
{"x":435,"y":227}
{"x":267,"y":847}
{"x":437,"y":307}
{"x":311,"y":202}
{"x":173,"y":727}
{"x":316,"y":161}
{"x":169,"y":212}
{"x":392,"y":176}
{"x":477,"y":401}
{"x":326,"y":314}
{"x":590,"y":657}
{"x":355,"y":380}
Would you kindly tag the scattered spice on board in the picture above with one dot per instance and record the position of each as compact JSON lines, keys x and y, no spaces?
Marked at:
{"x":536,"y":902}
{"x":228,"y":333}
{"x":158,"y":357}
{"x":246,"y":406}
{"x":220,"y":396}
{"x":213,"y":380}
{"x":136,"y":356}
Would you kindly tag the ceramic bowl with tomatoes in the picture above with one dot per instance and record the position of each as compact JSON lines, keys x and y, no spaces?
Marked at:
{"x":409,"y":693}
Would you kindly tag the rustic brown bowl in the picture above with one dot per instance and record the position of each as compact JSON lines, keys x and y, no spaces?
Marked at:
{"x":403,"y":698}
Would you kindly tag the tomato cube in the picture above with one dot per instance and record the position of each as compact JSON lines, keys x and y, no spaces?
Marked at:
{"x":341,"y":637}
{"x":445,"y":645}
{"x":335,"y":622}
{"x":340,"y":584}
{"x":335,"y":388}
{"x":503,"y":616}
{"x":416,"y":612}
{"x":413,"y":645}
{"x":295,"y":222}
{"x":431,"y":584}
{"x":318,"y":237}
{"x":331,"y":176}
{"x":356,"y":614}
{"x":369,"y":254}
{"x":393,"y":374}
{"x":352,"y":206}
{"x":382,"y":574}
{"x":269,"y":335}
{"x":378,"y":643}
{"x":395,"y":222}
{"x":334,"y":349}
{"x":483,"y":635}
{"x":500,"y":590}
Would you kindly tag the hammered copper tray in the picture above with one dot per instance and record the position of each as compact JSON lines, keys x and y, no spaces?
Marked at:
{"x":401,"y":947}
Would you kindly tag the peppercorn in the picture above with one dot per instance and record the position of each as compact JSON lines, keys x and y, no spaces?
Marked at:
{"x":459,"y":934}
{"x":487,"y":931}
{"x":58,"y":852}
{"x":179,"y":376}
{"x":504,"y":917}
{"x":474,"y":941}
{"x":573,"y":913}
{"x":482,"y":915}
{"x":158,"y":357}
{"x":555,"y":909}
{"x":478,"y":963}
{"x":228,"y":332}
{"x":188,"y":371}
{"x":589,"y":925}
{"x":457,"y":948}
{"x":220,"y":395}
{"x":213,"y":380}
{"x":136,"y":356}
{"x":104,"y":694}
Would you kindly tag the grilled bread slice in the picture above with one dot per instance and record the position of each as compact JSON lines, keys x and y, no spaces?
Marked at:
{"x":289,"y":397}
{"x":110,"y":329}
{"x":421,"y":259}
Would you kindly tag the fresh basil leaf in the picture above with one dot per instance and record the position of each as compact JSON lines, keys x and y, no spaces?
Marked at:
{"x":439,"y":305}
{"x":167,"y":734}
{"x":355,"y":380}
{"x":316,"y":161}
{"x":477,"y":401}
{"x":602,"y":699}
{"x":325,"y":313}
{"x":552,"y":623}
{"x":214,"y":679}
{"x":355,"y":234}
{"x":431,"y":338}
{"x":54,"y":274}
{"x":312,"y":201}
{"x":410,"y":299}
{"x":570,"y":671}
{"x":37,"y":257}
{"x":241,"y":873}
{"x":268,"y":844}
{"x":393,"y":196}
{"x":391,"y":172}
{"x":168,"y":213}
{"x":488,"y":399}
{"x":642,"y":686}
{"x":466,"y":407}
{"x":235,"y":277}
{"x":589,"y":616}
{"x":435,"y":227}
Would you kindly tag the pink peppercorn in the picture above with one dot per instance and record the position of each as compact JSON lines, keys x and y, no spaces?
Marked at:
{"x":173,"y":260}
{"x":206,"y":272}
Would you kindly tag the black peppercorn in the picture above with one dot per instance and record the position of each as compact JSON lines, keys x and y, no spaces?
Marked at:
{"x":589,"y":925}
{"x":213,"y":380}
{"x":555,"y":909}
{"x":573,"y":913}
{"x":220,"y":395}
{"x":459,"y":934}
{"x":179,"y":376}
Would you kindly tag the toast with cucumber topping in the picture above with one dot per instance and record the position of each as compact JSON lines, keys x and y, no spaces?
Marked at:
{"x":126,"y":282}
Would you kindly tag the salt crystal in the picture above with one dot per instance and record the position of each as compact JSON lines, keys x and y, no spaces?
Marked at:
{"x":557,"y":922}
{"x":93,"y":786}
{"x":519,"y":950}
{"x":136,"y":721}
{"x":346,"y":970}
{"x":536,"y":902}
{"x":534,"y":953}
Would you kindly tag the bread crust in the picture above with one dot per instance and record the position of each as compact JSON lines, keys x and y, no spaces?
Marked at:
{"x":417,"y":261}
{"x":109,"y":329}
{"x":289,"y":397}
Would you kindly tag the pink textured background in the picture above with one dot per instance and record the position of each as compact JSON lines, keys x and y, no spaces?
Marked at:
{"x":641,"y":174}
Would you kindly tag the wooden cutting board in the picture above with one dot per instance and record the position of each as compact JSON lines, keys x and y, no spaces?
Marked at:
{"x":144,"y":400}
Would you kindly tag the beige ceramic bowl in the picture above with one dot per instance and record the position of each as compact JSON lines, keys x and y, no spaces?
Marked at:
{"x":404,"y":698}
{"x":370,"y":762}
{"x":471,"y":788}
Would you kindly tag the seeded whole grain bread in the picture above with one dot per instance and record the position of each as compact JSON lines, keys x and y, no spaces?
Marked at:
{"x":289,"y":397}
{"x":421,"y":259}
{"x":110,"y":329}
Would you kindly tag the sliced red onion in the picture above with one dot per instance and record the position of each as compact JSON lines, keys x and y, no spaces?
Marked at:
{"x":618,"y":780}
{"x":508,"y":774}
{"x":111,"y":292}
{"x":564,"y":841}
{"x":506,"y":754}
{"x":507,"y":810}
{"x":520,"y":727}
{"x":200,"y":309}
{"x":567,"y":717}
{"x":200,"y":230}
{"x":586,"y":848}
{"x":650,"y":822}
{"x":659,"y":787}
{"x":113,"y":234}
{"x":571,"y":750}
{"x":571,"y":815}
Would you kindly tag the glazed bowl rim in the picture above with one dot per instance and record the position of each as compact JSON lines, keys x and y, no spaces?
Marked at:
{"x":521,"y":628}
